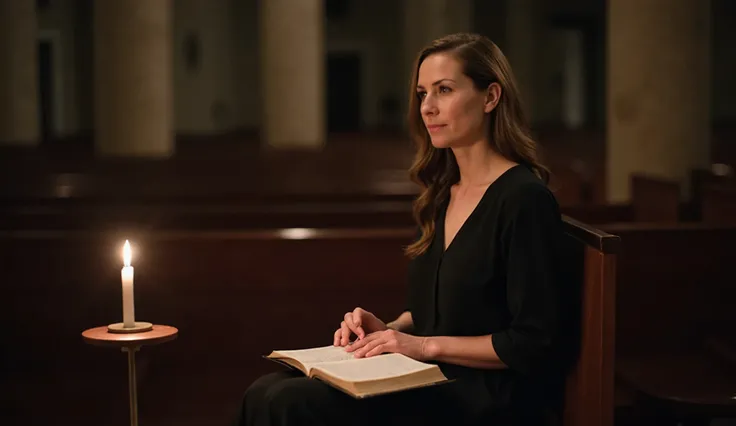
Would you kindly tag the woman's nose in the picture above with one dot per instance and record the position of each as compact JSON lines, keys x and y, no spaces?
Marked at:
{"x":429,"y":107}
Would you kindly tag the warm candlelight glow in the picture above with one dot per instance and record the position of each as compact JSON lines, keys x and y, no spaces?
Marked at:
{"x":126,"y":253}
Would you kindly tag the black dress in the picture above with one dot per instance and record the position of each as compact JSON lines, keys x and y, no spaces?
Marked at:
{"x":499,"y":276}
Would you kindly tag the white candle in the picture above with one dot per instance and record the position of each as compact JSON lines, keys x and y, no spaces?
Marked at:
{"x":127,"y":277}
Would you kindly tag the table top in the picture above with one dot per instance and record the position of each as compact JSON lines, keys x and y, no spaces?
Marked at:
{"x":159,"y":334}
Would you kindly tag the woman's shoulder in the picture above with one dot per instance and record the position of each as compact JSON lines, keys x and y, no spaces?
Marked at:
{"x":522,"y":187}
{"x":526,"y":202}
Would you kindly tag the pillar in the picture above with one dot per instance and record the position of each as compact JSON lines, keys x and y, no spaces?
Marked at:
{"x":427,"y":20}
{"x":293,"y":73}
{"x":658,"y":100}
{"x":206,"y":100}
{"x":524,"y":25}
{"x":19,"y":108}
{"x":133,"y":78}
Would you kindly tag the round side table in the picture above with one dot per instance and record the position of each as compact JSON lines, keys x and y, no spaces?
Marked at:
{"x":130,"y":343}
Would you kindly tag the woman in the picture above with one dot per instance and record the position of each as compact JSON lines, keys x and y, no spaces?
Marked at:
{"x":485,"y":300}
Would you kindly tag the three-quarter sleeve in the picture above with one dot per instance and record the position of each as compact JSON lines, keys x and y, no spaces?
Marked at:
{"x":531,"y":238}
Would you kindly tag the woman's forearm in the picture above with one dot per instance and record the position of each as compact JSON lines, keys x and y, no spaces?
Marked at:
{"x":404,"y":323}
{"x":475,"y":351}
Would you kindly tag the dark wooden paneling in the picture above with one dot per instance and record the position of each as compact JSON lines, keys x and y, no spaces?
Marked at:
{"x":674,"y":282}
{"x":675,"y":297}
{"x":719,"y":203}
{"x":655,"y":199}
{"x":234,"y":296}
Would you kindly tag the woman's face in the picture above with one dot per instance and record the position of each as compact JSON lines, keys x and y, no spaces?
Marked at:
{"x":453,"y":111}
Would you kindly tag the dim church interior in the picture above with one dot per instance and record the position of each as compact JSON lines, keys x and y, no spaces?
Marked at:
{"x":241,"y":219}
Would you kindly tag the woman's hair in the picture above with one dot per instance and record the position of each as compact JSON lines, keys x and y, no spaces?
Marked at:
{"x":436,"y":170}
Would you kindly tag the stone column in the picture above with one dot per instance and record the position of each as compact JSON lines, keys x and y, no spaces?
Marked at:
{"x":19,"y":109}
{"x":658,"y":100}
{"x":524,"y":25}
{"x":206,"y":99}
{"x":293,"y":73}
{"x":133,"y":78}
{"x":427,"y":20}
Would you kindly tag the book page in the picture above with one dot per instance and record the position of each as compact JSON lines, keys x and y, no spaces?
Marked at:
{"x":309,"y":357}
{"x":374,"y":368}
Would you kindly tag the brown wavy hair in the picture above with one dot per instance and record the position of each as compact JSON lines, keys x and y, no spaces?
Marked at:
{"x":436,"y":170}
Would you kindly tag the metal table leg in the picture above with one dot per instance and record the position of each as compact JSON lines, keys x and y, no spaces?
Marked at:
{"x":132,"y":386}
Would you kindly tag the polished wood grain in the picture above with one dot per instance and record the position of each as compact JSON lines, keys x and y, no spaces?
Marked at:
{"x":591,"y":236}
{"x":102,"y":337}
{"x":589,"y":396}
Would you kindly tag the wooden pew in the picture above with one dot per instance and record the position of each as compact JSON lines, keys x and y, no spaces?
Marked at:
{"x":241,"y":214}
{"x":236,"y":214}
{"x":675,"y":298}
{"x":655,"y":199}
{"x":234,"y":295}
{"x":600,"y":213}
{"x":570,"y":186}
{"x":718,"y":203}
{"x":702,"y":182}
{"x":589,"y":396}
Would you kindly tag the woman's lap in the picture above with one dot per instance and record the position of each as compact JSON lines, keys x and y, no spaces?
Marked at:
{"x":288,"y":398}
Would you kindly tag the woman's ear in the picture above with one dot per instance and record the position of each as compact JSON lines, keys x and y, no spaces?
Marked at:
{"x":493,"y":95}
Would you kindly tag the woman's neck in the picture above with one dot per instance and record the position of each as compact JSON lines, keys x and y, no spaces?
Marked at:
{"x":479,"y":164}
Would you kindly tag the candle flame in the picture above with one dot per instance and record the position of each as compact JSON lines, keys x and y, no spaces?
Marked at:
{"x":126,"y":253}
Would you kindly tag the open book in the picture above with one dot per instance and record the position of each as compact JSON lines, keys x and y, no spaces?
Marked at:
{"x":361,"y":377}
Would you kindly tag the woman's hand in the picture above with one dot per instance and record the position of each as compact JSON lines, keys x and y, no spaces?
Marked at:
{"x":391,"y":341}
{"x":360,"y":322}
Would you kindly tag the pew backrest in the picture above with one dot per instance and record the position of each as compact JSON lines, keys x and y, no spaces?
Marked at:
{"x":675,"y":283}
{"x":655,"y":199}
{"x":591,"y":265}
{"x":719,"y":203}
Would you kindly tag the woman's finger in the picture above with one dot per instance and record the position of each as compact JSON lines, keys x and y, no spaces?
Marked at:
{"x":354,"y":324}
{"x":345,"y":338}
{"x":360,"y":343}
{"x":358,"y":314}
{"x":336,"y":337}
{"x":378,"y":350}
{"x":360,"y":353}
{"x":350,"y":320}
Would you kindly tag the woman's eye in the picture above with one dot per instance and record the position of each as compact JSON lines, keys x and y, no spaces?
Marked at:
{"x":445,"y":89}
{"x":421,"y":95}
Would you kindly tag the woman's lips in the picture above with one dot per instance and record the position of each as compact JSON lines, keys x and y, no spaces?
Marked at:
{"x":435,"y":127}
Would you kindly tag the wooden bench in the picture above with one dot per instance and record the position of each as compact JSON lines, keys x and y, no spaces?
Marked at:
{"x":655,"y":199}
{"x":233,"y":215}
{"x":242,"y":215}
{"x":718,"y":203}
{"x":234,"y":295}
{"x":589,"y":398}
{"x":707,"y":187}
{"x":675,"y":299}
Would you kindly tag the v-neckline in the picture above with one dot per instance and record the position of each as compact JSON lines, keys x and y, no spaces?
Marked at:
{"x":445,"y":246}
